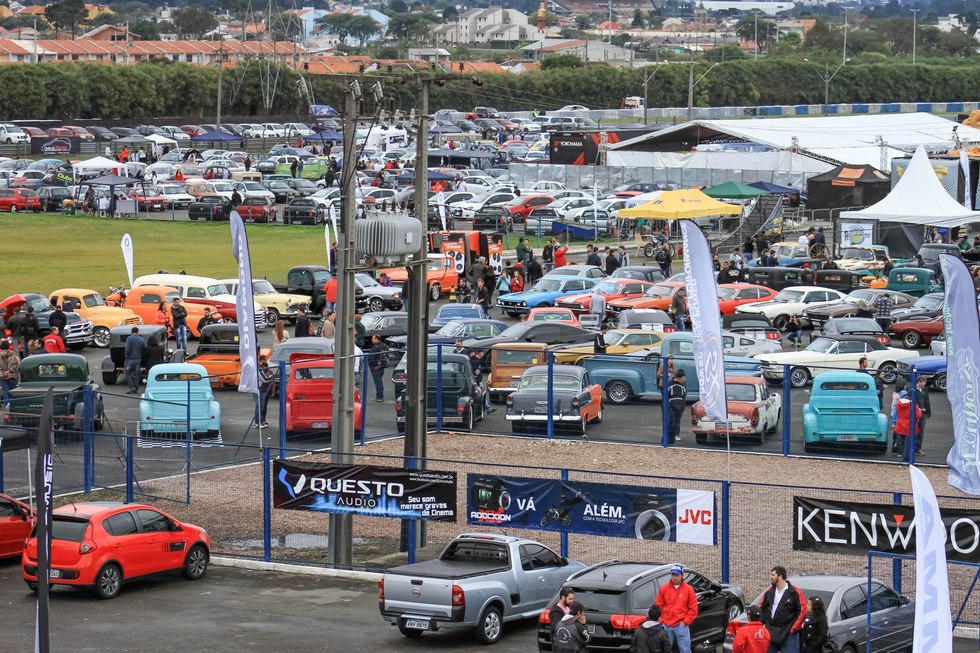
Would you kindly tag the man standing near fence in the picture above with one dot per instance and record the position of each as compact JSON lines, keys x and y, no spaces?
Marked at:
{"x":676,"y":400}
{"x":680,"y":608}
{"x":135,"y":346}
{"x":783,"y":613}
{"x":178,"y":315}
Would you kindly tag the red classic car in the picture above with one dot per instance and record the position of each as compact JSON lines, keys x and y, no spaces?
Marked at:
{"x":731,"y":295}
{"x":611,"y":289}
{"x":148,"y":200}
{"x":917,"y":332}
{"x":658,"y":295}
{"x":16,"y":522}
{"x":257,"y":209}
{"x":753,"y":412}
{"x":309,"y":396}
{"x":552,"y":314}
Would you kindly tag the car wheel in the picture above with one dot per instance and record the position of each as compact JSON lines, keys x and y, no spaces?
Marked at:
{"x":799,"y":377}
{"x":890,"y":373}
{"x":271,"y":316}
{"x":400,"y":427}
{"x":377,"y":304}
{"x":108,"y":582}
{"x":734,"y":610}
{"x":618,"y":392}
{"x":101,"y":337}
{"x":781,"y":322}
{"x":468,"y":420}
{"x":409,"y":632}
{"x":435,"y":292}
{"x":939,"y":381}
{"x":196,"y":563}
{"x":490,"y":626}
{"x":109,"y":378}
{"x":598,"y":418}
{"x":911,"y":339}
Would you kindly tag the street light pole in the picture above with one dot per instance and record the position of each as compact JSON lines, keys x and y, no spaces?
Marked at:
{"x":691,"y":84}
{"x":915,"y":16}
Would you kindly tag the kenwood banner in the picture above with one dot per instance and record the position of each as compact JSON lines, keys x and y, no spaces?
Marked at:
{"x":664,"y":514}
{"x":365,"y":490}
{"x":853,"y":528}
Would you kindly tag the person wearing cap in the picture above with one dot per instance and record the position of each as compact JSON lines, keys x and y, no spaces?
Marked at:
{"x":651,"y":637}
{"x":752,"y":637}
{"x":178,"y":317}
{"x":679,"y":604}
{"x":783,"y":610}
{"x":902,"y":423}
{"x":676,"y":400}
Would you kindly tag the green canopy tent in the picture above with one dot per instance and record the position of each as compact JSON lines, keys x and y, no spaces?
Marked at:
{"x":733,"y":190}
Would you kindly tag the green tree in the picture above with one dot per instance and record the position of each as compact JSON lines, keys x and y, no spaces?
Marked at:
{"x":956,"y":43}
{"x":413,"y":26}
{"x":145,"y":30}
{"x":749,"y":28}
{"x":557,"y":61}
{"x":337,"y":24}
{"x":362,"y":28}
{"x":725,"y":53}
{"x":583,"y":22}
{"x":66,"y":14}
{"x":193,"y":21}
{"x":450,"y":14}
{"x":396,"y":7}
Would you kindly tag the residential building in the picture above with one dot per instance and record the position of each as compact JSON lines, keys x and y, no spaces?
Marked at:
{"x":474,"y":26}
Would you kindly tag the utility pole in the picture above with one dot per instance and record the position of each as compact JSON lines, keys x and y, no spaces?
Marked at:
{"x":221,"y":68}
{"x":340,"y":536}
{"x":844,"y":53}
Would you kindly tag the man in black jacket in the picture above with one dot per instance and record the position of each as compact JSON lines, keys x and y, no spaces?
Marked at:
{"x":676,"y":400}
{"x":651,"y":637}
{"x":58,"y":319}
{"x":593,"y":257}
{"x":782,"y":613}
{"x":178,"y":317}
{"x":302,"y":327}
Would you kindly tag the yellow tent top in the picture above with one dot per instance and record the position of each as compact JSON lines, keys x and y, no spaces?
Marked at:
{"x":679,"y":205}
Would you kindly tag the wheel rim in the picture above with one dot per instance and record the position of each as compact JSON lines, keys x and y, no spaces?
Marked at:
{"x":109,"y":581}
{"x":618,"y":392}
{"x":911,"y":339}
{"x":733,"y":611}
{"x":197,"y":563}
{"x":940,"y":382}
{"x":271,"y":316}
{"x":781,"y":322}
{"x":798,"y":377}
{"x":377,"y":305}
{"x":101,"y":337}
{"x":435,"y":291}
{"x":889,"y":375}
{"x":491,"y":625}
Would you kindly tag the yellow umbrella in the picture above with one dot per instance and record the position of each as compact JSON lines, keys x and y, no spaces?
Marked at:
{"x":679,"y":205}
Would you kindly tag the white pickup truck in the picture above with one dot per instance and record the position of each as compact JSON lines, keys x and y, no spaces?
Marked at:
{"x":479,"y":581}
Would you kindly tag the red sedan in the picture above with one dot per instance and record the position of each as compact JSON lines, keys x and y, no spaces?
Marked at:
{"x":149,"y":201}
{"x":917,"y":333}
{"x":99,"y":545}
{"x":16,"y":521}
{"x":19,"y":199}
{"x":611,"y":289}
{"x":519,"y":207}
{"x":731,"y":295}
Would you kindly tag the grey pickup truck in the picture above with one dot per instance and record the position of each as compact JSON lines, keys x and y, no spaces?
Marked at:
{"x":480,"y":581}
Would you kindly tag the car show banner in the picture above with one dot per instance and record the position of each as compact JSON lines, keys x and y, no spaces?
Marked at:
{"x":962,"y":326}
{"x":933,"y":629}
{"x":702,"y":303}
{"x":56,"y":145}
{"x":127,"y":251}
{"x":365,"y":490}
{"x":248,"y":380}
{"x":851,"y":528}
{"x":856,"y":233}
{"x":44,"y":492}
{"x":665,"y":514}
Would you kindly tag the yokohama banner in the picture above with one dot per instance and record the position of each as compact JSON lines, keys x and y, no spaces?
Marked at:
{"x":853,"y":528}
{"x":365,"y":490}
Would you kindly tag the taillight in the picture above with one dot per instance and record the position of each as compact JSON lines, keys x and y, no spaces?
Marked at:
{"x":669,"y":329}
{"x":626,"y":621}
{"x":772,"y":335}
{"x":510,"y":401}
{"x":381,"y":589}
{"x":884,"y":340}
{"x":398,"y":376}
{"x":755,"y":417}
{"x":87,"y":547}
{"x":460,"y":407}
{"x":459,"y":599}
{"x":545,"y":617}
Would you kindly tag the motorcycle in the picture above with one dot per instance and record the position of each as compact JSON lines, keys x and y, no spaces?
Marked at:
{"x":116,"y":297}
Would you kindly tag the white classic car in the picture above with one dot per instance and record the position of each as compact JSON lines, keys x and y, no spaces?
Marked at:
{"x":827,"y":354}
{"x":792,"y":301}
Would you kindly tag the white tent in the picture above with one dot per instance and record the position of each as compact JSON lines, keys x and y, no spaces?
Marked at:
{"x":160,"y":139}
{"x":918,"y":198}
{"x":643,"y":198}
{"x":99,"y":164}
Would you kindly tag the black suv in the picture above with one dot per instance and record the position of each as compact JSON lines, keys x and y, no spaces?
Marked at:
{"x":617,"y":596}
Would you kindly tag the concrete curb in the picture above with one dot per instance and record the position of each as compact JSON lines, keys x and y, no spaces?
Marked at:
{"x":258,"y":565}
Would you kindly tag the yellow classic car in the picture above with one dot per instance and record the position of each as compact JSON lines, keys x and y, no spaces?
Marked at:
{"x":618,"y":341}
{"x":278,"y":305}
{"x":90,"y":305}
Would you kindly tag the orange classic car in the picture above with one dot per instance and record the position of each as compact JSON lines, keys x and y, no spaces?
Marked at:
{"x":611,"y":289}
{"x":731,"y":295}
{"x":218,"y":353}
{"x":144,"y":300}
{"x":658,"y":295}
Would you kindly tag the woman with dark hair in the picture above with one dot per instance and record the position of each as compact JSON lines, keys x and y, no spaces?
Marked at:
{"x":155,"y":353}
{"x":814,"y":633}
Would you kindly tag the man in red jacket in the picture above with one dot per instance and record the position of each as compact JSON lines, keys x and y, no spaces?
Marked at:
{"x":753,"y":636}
{"x":53,"y":344}
{"x":680,"y":608}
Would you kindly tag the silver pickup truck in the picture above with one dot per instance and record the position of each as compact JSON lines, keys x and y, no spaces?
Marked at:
{"x":479,"y":581}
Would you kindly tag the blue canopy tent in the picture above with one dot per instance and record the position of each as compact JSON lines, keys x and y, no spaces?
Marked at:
{"x":215,"y":137}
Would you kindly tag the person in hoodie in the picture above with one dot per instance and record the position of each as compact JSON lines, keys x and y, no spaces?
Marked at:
{"x":571,"y":635}
{"x":752,"y":637}
{"x":902,"y":422}
{"x":651,"y":637}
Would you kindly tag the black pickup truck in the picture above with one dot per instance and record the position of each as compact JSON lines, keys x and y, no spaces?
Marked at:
{"x":309,"y":280}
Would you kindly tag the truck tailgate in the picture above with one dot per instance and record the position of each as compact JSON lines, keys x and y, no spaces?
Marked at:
{"x":413,"y":595}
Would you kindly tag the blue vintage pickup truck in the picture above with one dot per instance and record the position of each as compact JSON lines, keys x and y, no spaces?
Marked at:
{"x":629,"y":377}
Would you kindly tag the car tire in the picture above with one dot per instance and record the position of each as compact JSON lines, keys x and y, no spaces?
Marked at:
{"x":733,"y":611}
{"x":435,"y":292}
{"x":781,"y":322}
{"x":939,"y":382}
{"x":911,"y":339}
{"x":196,"y":563}
{"x":100,"y":337}
{"x":468,"y":420}
{"x":799,"y":377}
{"x":490,"y":626}
{"x":411,"y":633}
{"x":618,"y":392}
{"x":400,"y":427}
{"x":271,"y":316}
{"x":376,"y":305}
{"x":109,"y":378}
{"x":890,"y":372}
{"x":108,"y":581}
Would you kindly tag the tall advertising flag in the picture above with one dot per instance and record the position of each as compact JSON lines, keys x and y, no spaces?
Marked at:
{"x":245,"y":308}
{"x":962,"y":359}
{"x":702,"y":303}
{"x":44,"y":484}
{"x":127,"y":250}
{"x":933,"y":629}
{"x":326,"y":237}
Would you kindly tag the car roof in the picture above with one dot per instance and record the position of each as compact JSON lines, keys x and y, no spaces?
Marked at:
{"x":848,"y":376}
{"x":615,"y":574}
{"x":93,"y":508}
{"x":530,"y":346}
{"x":74,"y":291}
{"x":745,"y":380}
{"x":152,"y":288}
{"x":564,"y":370}
{"x":457,"y":305}
{"x":180,"y":368}
{"x":806,"y":288}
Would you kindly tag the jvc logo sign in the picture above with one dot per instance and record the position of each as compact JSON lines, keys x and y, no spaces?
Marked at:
{"x":703,"y":517}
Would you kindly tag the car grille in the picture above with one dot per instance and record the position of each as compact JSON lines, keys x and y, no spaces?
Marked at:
{"x":78,"y":330}
{"x":814,"y":319}
{"x":136,"y":319}
{"x":574,"y":306}
{"x":509,"y":302}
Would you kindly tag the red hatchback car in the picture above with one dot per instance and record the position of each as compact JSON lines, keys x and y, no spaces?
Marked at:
{"x":16,"y":522}
{"x":19,"y":199}
{"x":102,"y":544}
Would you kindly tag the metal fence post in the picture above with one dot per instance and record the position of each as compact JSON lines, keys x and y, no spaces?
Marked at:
{"x":725,"y":531}
{"x":564,"y":531}
{"x":551,"y":395}
{"x":364,"y":382}
{"x":411,"y":463}
{"x":188,"y":445}
{"x":664,"y":408}
{"x":130,"y":467}
{"x":282,"y":409}
{"x":787,"y":405}
{"x":1,"y":471}
{"x":425,"y":406}
{"x":266,"y":505}
{"x":88,"y":446}
{"x":896,"y":562}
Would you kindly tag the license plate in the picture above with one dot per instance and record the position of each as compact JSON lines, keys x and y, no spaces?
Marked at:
{"x":54,"y":573}
{"x":418,"y":624}
{"x":847,"y":438}
{"x":541,"y":409}
{"x":514,"y":384}
{"x":591,"y":629}
{"x":723,"y":425}
{"x":321,"y":425}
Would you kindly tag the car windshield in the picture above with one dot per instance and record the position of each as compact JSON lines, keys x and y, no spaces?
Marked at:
{"x":860,"y":296}
{"x":253,"y":185}
{"x":659,"y":291}
{"x":171,"y":296}
{"x":218,"y":289}
{"x":366,"y":280}
{"x":515,"y":332}
{"x":788,"y":296}
{"x":821,"y":345}
{"x":566,"y":382}
{"x":614,"y":337}
{"x":449,"y":312}
{"x":606,"y":288}
{"x":435,"y":264}
{"x":321,"y":276}
{"x":95,"y":299}
{"x":371,"y":320}
{"x":727,"y":293}
{"x":929,"y":302}
{"x":859,"y":254}
{"x":275,"y":184}
{"x":449,"y":328}
{"x":38,"y":304}
{"x":790,"y":250}
{"x":740,"y":392}
{"x":262,"y":287}
{"x":547,"y":285}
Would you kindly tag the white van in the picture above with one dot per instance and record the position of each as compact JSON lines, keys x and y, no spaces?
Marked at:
{"x":203,"y":289}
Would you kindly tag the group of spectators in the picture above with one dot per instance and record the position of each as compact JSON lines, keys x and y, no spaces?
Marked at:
{"x":25,"y":340}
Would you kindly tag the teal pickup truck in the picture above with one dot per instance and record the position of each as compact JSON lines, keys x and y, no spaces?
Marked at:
{"x":636,"y":377}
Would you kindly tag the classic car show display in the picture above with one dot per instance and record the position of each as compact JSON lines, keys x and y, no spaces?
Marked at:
{"x":791,"y":301}
{"x":114,"y":364}
{"x":178,"y":403}
{"x":572,"y":401}
{"x":78,"y":331}
{"x":310,"y":397}
{"x":844,"y":410}
{"x":753,"y":413}
{"x":454,"y":394}
{"x":90,"y":305}
{"x":68,"y":376}
{"x":544,"y":292}
{"x":827,"y":353}
{"x":217,"y":352}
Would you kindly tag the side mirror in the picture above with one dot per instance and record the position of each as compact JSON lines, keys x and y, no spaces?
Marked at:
{"x":564,"y":563}
{"x":25,"y":513}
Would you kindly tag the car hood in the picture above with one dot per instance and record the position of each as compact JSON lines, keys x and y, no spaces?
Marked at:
{"x":833,"y":310}
{"x":911,"y":313}
{"x":270,"y":298}
{"x":582,"y":297}
{"x":109,"y":313}
{"x":531,"y":294}
{"x":930,"y":364}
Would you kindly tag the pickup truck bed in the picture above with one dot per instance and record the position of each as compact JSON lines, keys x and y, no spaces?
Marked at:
{"x":448,"y":569}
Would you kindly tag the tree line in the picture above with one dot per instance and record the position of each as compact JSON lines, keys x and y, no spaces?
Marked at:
{"x":160,"y":89}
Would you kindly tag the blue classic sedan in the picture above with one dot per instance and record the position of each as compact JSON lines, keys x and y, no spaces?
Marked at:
{"x":933,"y":368}
{"x":545,"y":292}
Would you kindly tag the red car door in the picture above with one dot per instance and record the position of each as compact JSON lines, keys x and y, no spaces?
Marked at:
{"x":15,"y":525}
{"x":165,"y":547}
